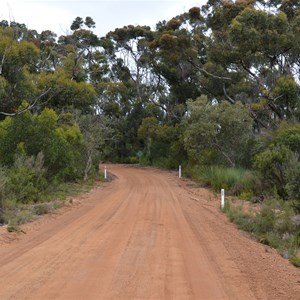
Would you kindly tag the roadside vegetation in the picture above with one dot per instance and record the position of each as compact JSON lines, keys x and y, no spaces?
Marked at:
{"x":274,"y":223}
{"x":23,"y":199}
{"x":214,"y":89}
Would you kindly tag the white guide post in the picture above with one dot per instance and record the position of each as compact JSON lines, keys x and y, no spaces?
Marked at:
{"x":179,"y":172}
{"x":222,"y":198}
{"x":105,"y":173}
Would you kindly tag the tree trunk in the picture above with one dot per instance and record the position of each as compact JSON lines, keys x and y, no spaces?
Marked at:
{"x":88,"y":166}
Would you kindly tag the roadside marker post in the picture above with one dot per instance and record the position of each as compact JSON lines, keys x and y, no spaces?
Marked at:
{"x":179,"y":172}
{"x":105,"y":173}
{"x":222,"y":198}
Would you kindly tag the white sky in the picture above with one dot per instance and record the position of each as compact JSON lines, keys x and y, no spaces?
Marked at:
{"x":58,"y":15}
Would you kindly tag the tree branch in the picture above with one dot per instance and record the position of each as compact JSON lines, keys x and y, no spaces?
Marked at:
{"x":231,"y":162}
{"x":30,"y":106}
{"x":207,"y":73}
{"x":270,"y":99}
{"x":3,"y":59}
{"x":227,"y":96}
{"x":256,"y":119}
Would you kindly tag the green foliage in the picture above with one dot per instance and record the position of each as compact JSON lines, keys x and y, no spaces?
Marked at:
{"x":289,"y":135}
{"x":61,"y":145}
{"x":19,"y":59}
{"x":96,"y":131}
{"x":288,"y":91}
{"x":23,"y":216}
{"x":213,"y":129}
{"x":278,"y":162}
{"x":66,"y":92}
{"x":266,"y":31}
{"x":275,"y":224}
{"x":42,"y":209}
{"x":52,"y":196}
{"x":295,"y":260}
{"x":219,"y":177}
{"x":13,"y":228}
{"x":235,"y":181}
{"x":162,"y":143}
{"x":293,"y":182}
{"x":25,"y":179}
{"x":273,"y":164}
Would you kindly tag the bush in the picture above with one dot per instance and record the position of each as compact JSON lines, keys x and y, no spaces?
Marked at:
{"x":265,"y":220}
{"x":273,"y":164}
{"x":293,"y":182}
{"x":29,"y":134}
{"x":42,"y":209}
{"x":23,"y":216}
{"x":295,"y":260}
{"x":25,"y":180}
{"x":217,"y":134}
{"x":279,"y":163}
{"x":13,"y":228}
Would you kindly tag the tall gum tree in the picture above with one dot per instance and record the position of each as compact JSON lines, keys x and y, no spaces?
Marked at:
{"x":258,"y":50}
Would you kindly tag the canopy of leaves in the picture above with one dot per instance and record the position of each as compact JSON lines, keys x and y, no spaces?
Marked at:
{"x":217,"y":127}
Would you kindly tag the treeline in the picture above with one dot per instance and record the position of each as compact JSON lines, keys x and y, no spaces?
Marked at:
{"x":215,"y":89}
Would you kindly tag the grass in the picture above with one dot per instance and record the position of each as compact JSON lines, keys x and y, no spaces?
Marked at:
{"x":275,"y":224}
{"x":236,"y":181}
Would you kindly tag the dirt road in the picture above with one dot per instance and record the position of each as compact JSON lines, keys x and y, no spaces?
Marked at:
{"x":146,"y":235}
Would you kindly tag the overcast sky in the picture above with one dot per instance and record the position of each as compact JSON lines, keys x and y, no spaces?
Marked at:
{"x":58,"y":15}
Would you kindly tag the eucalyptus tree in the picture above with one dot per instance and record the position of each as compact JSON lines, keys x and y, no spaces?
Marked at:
{"x":177,"y":52}
{"x":71,"y":66}
{"x":256,"y":51}
{"x":125,"y":96}
{"x":127,"y":51}
{"x":78,"y":49}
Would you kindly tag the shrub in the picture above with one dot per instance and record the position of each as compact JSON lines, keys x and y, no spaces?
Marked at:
{"x":212,"y":130}
{"x":13,"y":228}
{"x":272,"y":164}
{"x":279,"y":163}
{"x":293,"y":182}
{"x":23,"y":216}
{"x":295,"y":260}
{"x":29,"y":134}
{"x":25,"y":180}
{"x":265,"y":219}
{"x":42,"y":209}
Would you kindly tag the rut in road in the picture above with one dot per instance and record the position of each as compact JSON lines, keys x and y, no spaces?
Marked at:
{"x":135,"y":239}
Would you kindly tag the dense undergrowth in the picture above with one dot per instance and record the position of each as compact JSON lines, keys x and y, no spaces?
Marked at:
{"x":25,"y":192}
{"x":43,"y":157}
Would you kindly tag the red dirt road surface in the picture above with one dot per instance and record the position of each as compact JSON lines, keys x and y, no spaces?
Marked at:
{"x":145,"y":235}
